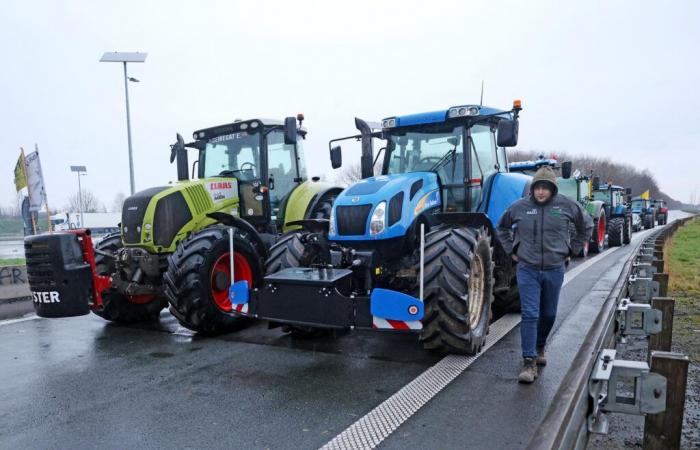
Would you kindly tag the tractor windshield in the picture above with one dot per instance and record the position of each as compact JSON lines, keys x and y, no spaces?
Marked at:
{"x":437,"y":148}
{"x":603,"y":196}
{"x":637,"y":204}
{"x":232,"y":155}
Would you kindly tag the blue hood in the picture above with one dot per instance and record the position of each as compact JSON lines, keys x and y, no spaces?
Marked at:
{"x":406,"y":195}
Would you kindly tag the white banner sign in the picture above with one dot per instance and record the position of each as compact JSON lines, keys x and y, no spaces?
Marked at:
{"x":35,"y":182}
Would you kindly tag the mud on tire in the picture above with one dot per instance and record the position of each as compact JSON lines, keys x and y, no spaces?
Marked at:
{"x":118,"y":307}
{"x":194,"y":294}
{"x":457,"y":260}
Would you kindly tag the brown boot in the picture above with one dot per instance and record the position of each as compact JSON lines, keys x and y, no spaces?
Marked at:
{"x":529,"y":372}
{"x":541,"y":360}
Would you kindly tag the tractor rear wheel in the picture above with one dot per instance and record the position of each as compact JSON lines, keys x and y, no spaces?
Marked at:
{"x":322,"y":209}
{"x":616,"y":231}
{"x":198,"y":278}
{"x":118,"y":307}
{"x":598,"y":238}
{"x":627,"y":231}
{"x":458,"y":289}
{"x":648,"y":221}
{"x":291,"y":251}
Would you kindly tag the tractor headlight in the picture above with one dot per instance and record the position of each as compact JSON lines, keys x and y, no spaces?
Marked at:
{"x":389,"y":123}
{"x":331,"y":224}
{"x":376,"y":224}
{"x":463,"y":111}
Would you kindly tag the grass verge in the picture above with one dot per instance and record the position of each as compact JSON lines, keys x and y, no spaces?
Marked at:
{"x":12,"y":262}
{"x":683,"y":254}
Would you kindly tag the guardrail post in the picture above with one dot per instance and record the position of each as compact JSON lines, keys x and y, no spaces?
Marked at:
{"x":663,"y":430}
{"x":662,"y":341}
{"x":659,"y":254}
{"x":659,"y":264}
{"x":662,"y":278}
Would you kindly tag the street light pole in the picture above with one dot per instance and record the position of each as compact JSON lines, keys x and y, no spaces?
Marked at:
{"x":80,"y":170}
{"x":128,"y":131}
{"x":80,"y":200}
{"x":126,"y":57}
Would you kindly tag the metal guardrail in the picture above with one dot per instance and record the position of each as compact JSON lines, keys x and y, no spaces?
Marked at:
{"x":565,"y":426}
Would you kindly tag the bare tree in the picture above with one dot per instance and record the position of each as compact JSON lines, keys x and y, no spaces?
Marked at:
{"x":118,"y":202}
{"x":605,"y":169}
{"x":353,"y":173}
{"x":90,"y":203}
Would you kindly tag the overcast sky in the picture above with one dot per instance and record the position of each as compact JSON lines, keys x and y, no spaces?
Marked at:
{"x":618,"y":79}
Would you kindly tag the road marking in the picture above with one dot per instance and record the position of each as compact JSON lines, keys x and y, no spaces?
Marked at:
{"x":22,"y":319}
{"x":370,"y":430}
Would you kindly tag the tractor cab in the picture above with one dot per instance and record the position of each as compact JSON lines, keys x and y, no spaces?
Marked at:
{"x":615,"y":198}
{"x":436,"y":162}
{"x":263,"y":158}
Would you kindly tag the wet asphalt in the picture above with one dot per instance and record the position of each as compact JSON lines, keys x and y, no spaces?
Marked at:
{"x":85,"y":383}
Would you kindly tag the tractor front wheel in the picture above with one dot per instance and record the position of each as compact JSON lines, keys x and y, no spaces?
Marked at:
{"x":199,"y":275}
{"x":616,"y":231}
{"x":627,"y":232}
{"x":458,"y":278}
{"x":118,"y":307}
{"x":598,"y":238}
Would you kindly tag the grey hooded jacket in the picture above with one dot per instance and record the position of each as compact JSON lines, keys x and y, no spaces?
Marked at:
{"x":541,"y":235}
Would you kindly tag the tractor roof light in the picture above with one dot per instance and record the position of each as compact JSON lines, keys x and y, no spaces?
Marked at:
{"x":463,"y":111}
{"x":389,"y":123}
{"x":517,"y":105}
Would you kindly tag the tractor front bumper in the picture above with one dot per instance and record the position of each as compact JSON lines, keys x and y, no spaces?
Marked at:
{"x":314,"y":297}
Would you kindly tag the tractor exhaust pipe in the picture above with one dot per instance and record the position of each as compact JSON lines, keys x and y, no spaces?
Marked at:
{"x":179,"y":152}
{"x":367,"y":158}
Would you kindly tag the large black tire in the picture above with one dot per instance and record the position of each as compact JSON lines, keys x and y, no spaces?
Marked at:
{"x":597,"y":244}
{"x":118,"y":307}
{"x":627,"y":231}
{"x":648,"y":221}
{"x":288,"y":252}
{"x":195,"y":281}
{"x":458,"y":289}
{"x":616,"y":231}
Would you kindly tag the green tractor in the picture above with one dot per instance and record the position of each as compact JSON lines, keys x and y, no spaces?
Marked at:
{"x":169,"y":249}
{"x":617,"y":203}
{"x":580,"y":187}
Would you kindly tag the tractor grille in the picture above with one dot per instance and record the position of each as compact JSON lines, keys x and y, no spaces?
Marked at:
{"x":133,"y":211}
{"x":200,"y":199}
{"x":172,"y":213}
{"x":352,"y":220}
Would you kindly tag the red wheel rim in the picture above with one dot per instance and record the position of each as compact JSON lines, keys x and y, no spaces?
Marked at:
{"x":601,"y":231}
{"x":242,"y":271}
{"x":140,"y":299}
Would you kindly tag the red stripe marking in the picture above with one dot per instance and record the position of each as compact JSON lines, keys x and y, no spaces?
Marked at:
{"x":398,"y":325}
{"x":475,"y":180}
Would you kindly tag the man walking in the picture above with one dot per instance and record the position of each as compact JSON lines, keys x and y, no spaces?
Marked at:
{"x":536,"y":231}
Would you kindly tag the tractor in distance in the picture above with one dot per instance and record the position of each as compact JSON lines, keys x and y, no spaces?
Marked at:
{"x":580,"y":187}
{"x":643,"y":208}
{"x":618,"y":211}
{"x":412,"y":249}
{"x":661,"y":210}
{"x":169,"y":249}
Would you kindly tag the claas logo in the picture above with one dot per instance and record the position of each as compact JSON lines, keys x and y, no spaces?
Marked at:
{"x":220,"y":185}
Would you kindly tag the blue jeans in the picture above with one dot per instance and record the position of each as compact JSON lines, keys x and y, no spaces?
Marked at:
{"x":539,"y":297}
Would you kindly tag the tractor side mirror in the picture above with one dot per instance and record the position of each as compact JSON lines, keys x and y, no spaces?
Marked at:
{"x":596,"y":183}
{"x":290,"y":130}
{"x":507,"y":133}
{"x":628,"y":191}
{"x":566,"y":167}
{"x":336,"y":157}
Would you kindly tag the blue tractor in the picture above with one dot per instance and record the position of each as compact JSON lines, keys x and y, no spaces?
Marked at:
{"x":412,"y":249}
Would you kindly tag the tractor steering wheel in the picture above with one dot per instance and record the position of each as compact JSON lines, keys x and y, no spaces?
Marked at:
{"x":252,"y":166}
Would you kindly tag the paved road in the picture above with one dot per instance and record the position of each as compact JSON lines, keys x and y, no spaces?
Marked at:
{"x":82,"y":382}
